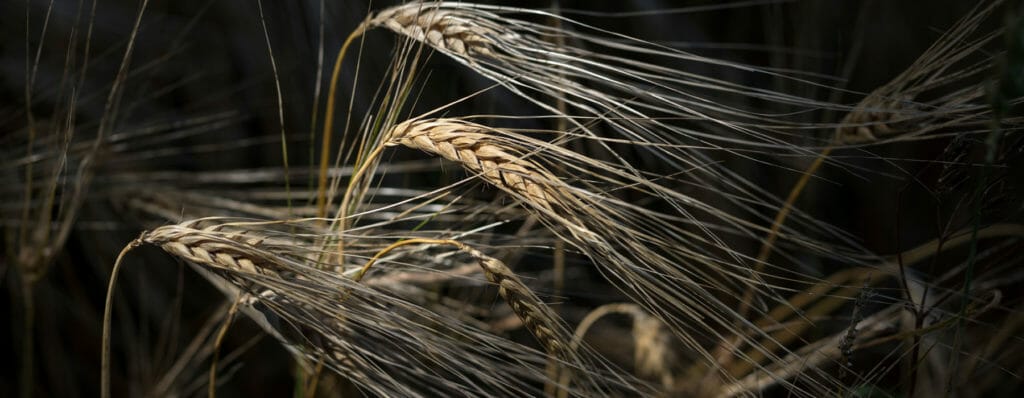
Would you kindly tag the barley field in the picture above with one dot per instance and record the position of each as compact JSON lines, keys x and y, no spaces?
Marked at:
{"x":546,"y":198}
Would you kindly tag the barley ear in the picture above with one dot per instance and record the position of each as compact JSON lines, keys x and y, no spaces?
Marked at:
{"x":538,"y":318}
{"x":439,"y":28}
{"x":473,"y":146}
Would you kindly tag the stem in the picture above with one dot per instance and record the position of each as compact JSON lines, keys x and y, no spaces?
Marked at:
{"x":347,"y":197}
{"x":766,"y":248}
{"x":415,"y":241}
{"x":991,"y":143}
{"x":780,"y":218}
{"x":325,"y":149}
{"x":29,"y":340}
{"x":212,"y":389}
{"x":584,"y":326}
{"x":107,"y":310}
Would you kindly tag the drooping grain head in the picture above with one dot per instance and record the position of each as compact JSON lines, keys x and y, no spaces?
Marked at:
{"x":323,"y":324}
{"x":876,"y":117}
{"x":891,"y":108}
{"x":443,"y":29}
{"x":212,"y":250}
{"x":475,"y":147}
{"x":537,"y":317}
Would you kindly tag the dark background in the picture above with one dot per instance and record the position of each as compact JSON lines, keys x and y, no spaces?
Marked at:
{"x":194,"y":59}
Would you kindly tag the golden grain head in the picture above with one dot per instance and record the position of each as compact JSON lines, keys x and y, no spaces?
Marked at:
{"x":475,"y":147}
{"x":443,"y":29}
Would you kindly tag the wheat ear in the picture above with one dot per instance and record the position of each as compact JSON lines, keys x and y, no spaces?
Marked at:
{"x":440,"y":28}
{"x":227,"y":253}
{"x":890,"y":109}
{"x":474,"y":147}
{"x":194,"y":245}
{"x":883,"y":113}
{"x":538,"y":318}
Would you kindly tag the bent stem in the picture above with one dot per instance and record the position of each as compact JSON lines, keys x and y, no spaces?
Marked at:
{"x":769,"y":243}
{"x":584,"y":326}
{"x":780,"y":218}
{"x":415,"y":241}
{"x":107,"y":309}
{"x":347,"y":198}
{"x":325,"y":149}
{"x":362,"y":164}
